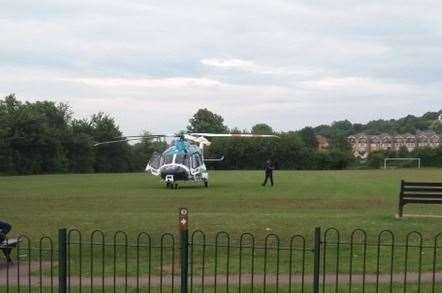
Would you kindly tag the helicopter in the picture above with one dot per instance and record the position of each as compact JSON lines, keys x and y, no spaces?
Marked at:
{"x":184,"y":159}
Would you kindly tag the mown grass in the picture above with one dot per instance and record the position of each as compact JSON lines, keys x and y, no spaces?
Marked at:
{"x":235,"y":202}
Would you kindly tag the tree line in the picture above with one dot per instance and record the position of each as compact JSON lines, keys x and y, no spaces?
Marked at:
{"x":43,"y":138}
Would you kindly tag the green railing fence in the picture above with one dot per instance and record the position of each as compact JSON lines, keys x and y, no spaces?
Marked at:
{"x":325,"y":261}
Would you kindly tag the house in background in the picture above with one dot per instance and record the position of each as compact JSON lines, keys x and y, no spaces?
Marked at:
{"x":363,"y":144}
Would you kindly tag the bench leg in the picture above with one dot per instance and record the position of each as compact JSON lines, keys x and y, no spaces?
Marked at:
{"x":7,"y":253}
{"x":401,"y":209}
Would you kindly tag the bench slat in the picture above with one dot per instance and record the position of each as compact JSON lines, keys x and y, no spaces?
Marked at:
{"x":422,"y":200}
{"x":411,"y":184}
{"x":422,"y":195}
{"x":421,"y":189}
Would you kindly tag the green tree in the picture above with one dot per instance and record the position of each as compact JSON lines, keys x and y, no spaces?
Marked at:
{"x":207,"y":121}
{"x":376,"y":159}
{"x":80,"y":149}
{"x":308,"y":136}
{"x":33,"y":136}
{"x":342,"y":127}
{"x":291,"y":152}
{"x":109,"y":157}
{"x":436,"y":125}
{"x":8,"y":106}
{"x":262,"y":128}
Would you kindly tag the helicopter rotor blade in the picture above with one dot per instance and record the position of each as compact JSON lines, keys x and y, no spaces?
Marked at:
{"x":196,"y":137}
{"x":234,"y":135}
{"x":214,"y":160}
{"x":145,"y":136}
{"x":134,"y":138}
{"x":114,"y":141}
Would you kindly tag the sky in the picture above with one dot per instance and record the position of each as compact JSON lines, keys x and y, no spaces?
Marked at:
{"x":152,"y":64}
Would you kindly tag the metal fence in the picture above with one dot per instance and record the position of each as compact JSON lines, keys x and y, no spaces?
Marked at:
{"x":325,"y":261}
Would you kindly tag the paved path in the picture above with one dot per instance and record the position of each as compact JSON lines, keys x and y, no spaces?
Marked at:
{"x":246,"y":279}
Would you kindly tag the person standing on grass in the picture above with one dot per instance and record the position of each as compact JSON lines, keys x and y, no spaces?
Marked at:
{"x":4,"y":229}
{"x":268,"y":172}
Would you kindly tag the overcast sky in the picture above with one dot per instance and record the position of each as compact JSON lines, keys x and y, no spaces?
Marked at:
{"x":152,"y":64}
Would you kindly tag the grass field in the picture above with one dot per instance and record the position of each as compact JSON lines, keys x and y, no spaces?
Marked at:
{"x":234,"y":202}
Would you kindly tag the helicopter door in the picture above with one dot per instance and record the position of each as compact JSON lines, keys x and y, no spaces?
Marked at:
{"x":195,"y":164}
{"x":154,"y":164}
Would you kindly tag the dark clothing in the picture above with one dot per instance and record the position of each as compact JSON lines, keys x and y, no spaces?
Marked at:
{"x":269,"y":168}
{"x":269,"y":173}
{"x":268,"y":176}
{"x":4,"y":229}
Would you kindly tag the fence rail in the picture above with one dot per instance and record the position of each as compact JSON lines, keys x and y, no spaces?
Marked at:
{"x":326,"y":261}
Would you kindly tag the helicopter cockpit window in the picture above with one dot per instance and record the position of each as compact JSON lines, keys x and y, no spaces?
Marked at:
{"x":196,"y":161}
{"x":182,"y":159}
{"x":168,"y":158}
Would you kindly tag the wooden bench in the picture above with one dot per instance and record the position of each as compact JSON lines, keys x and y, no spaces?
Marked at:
{"x":7,"y":246}
{"x":419,"y":192}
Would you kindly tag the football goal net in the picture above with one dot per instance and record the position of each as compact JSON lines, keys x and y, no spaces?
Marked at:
{"x":402,"y":163}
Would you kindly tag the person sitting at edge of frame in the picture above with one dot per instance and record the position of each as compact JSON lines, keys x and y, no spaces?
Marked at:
{"x":4,"y":229}
{"x":269,"y":173}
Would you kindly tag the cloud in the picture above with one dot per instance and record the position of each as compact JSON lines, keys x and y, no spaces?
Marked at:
{"x":168,"y":83}
{"x":253,"y":67}
{"x":245,"y":65}
{"x":286,"y":63}
{"x":360,"y":84}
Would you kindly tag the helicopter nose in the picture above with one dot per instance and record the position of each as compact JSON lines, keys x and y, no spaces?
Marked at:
{"x":179,"y":173}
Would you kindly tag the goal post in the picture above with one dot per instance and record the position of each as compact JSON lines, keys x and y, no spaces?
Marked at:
{"x":387,"y":160}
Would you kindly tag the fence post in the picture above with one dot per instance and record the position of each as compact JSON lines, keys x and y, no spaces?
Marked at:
{"x":184,"y":248}
{"x":316,"y":259}
{"x":62,"y":260}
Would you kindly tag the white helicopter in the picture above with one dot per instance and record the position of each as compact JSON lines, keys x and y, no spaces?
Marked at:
{"x":184,"y":159}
